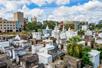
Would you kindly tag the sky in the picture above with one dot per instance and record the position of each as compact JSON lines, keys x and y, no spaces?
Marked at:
{"x":58,"y":10}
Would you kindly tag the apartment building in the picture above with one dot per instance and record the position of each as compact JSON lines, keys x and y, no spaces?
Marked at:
{"x":17,"y":24}
{"x":7,"y":26}
{"x":19,"y":18}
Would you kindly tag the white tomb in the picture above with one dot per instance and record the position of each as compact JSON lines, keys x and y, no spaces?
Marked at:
{"x":88,"y":33}
{"x":49,"y":46}
{"x":36,"y":49}
{"x":95,"y":58}
{"x":18,"y":41}
{"x":56,"y":32}
{"x":100,"y":35}
{"x":36,"y":35}
{"x":70,"y":33}
{"x":4,"y":44}
{"x":99,"y":41}
{"x":44,"y":58}
{"x":46,"y":32}
{"x":63,"y":34}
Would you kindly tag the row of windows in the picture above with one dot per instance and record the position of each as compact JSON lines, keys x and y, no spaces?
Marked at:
{"x":7,"y":25}
{"x":7,"y":28}
{"x":5,"y":22}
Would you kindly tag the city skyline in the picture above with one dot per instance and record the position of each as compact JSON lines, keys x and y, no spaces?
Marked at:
{"x":88,"y":10}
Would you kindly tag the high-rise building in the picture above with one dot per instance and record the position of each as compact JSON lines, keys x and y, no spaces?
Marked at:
{"x":19,"y":18}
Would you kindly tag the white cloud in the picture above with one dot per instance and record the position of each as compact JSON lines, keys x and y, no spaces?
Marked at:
{"x":13,"y":6}
{"x":43,"y":2}
{"x":91,"y":11}
{"x":31,"y":13}
{"x":38,"y":2}
{"x":58,"y":2}
{"x":61,"y":2}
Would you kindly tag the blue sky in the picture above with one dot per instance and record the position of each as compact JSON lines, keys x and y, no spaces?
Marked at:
{"x":60,"y":10}
{"x":53,"y":4}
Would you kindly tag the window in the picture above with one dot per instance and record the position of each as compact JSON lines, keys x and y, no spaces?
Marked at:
{"x":4,"y":27}
{"x":10,"y":27}
{"x":7,"y":27}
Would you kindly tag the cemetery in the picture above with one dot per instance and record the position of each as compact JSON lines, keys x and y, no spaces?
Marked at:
{"x":53,"y":48}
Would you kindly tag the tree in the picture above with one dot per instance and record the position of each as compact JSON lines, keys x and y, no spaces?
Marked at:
{"x":33,"y":26}
{"x":74,"y":39}
{"x":51,"y":24}
{"x":81,"y":32}
{"x":76,"y":50}
{"x":99,"y":26}
{"x":85,"y":56}
{"x":67,"y":25}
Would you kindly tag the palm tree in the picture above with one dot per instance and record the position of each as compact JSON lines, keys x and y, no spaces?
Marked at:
{"x":74,"y":49}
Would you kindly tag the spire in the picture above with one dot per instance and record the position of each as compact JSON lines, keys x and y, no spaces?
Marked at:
{"x":47,"y":27}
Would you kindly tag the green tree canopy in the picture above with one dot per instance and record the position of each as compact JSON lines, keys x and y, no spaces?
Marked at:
{"x":73,"y":48}
{"x":76,"y":50}
{"x":51,"y":24}
{"x":33,"y":26}
{"x":99,"y":26}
